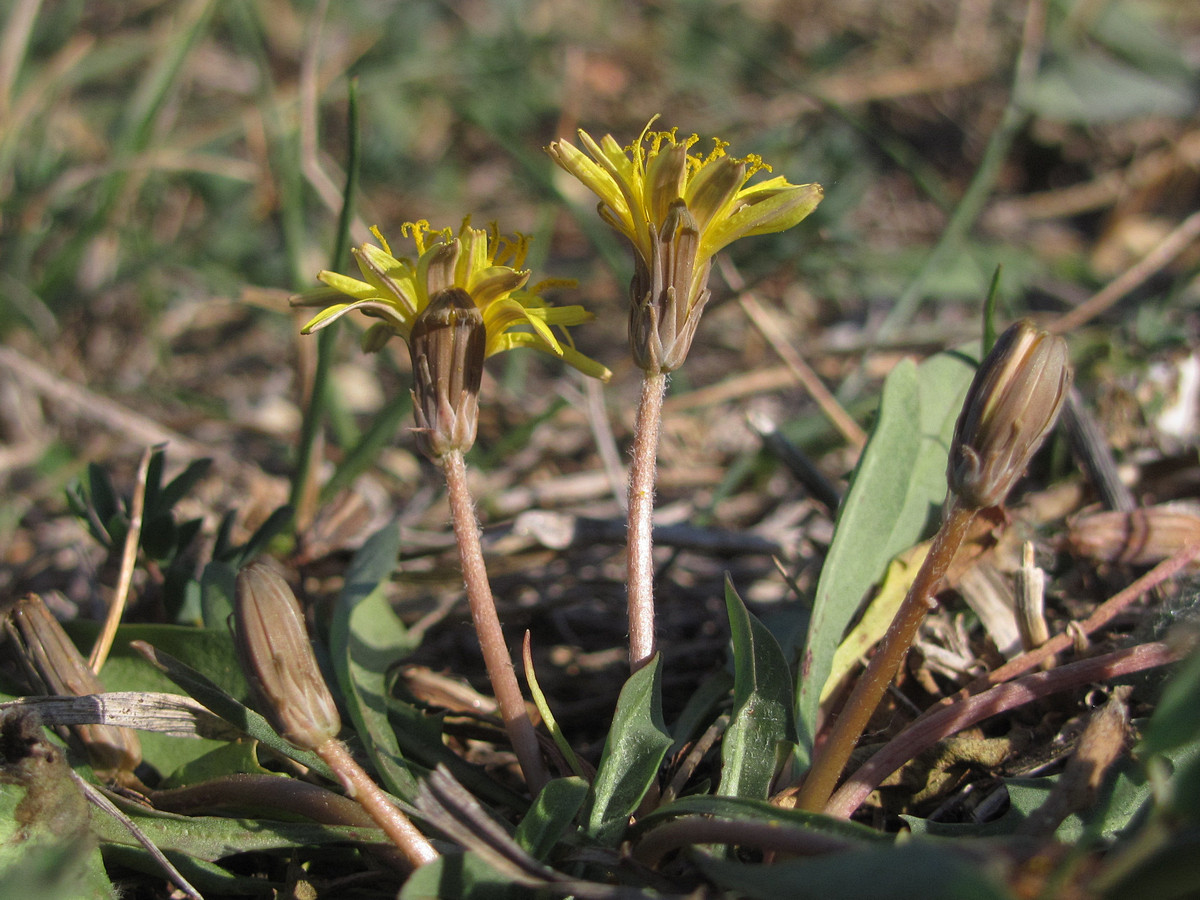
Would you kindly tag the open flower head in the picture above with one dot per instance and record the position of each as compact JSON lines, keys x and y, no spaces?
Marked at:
{"x":678,"y":209}
{"x":484,"y":264}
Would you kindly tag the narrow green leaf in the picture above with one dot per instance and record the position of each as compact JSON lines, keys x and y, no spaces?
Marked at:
{"x":636,"y":745}
{"x":762,"y":705}
{"x":547,"y":714}
{"x":551,"y":815}
{"x":275,"y":524}
{"x":742,"y":809}
{"x":216,"y":837}
{"x":366,"y":639}
{"x":202,"y":689}
{"x":419,"y":736}
{"x":916,"y":871}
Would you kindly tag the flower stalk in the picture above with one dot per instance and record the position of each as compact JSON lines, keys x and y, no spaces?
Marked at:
{"x":640,"y":537}
{"x":677,"y":209}
{"x":496,"y":656}
{"x":464,"y":299}
{"x":1012,"y":404}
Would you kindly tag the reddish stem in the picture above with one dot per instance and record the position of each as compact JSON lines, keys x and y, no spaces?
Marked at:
{"x":642,"y":476}
{"x":487,"y":626}
{"x":925,"y":732}
{"x":395,"y":824}
{"x":833,"y":754}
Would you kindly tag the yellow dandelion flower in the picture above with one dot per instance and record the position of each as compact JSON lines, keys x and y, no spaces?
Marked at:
{"x":678,"y":209}
{"x":484,"y":264}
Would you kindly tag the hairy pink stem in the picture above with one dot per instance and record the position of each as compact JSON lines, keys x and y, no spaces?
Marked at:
{"x":642,"y":476}
{"x":487,"y":626}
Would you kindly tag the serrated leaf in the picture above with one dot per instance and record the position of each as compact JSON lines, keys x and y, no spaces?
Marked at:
{"x":366,"y":639}
{"x":634,"y":750}
{"x":762,"y":705}
{"x":894,"y":495}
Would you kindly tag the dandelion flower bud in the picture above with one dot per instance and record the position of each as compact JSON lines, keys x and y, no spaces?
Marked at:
{"x":448,"y":345}
{"x":51,"y":659}
{"x":278,"y":660}
{"x":1010,"y":408}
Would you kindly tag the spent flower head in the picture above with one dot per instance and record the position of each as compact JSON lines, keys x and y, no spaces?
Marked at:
{"x":1011,"y":406}
{"x":678,"y":209}
{"x":483,"y":263}
{"x":56,"y":666}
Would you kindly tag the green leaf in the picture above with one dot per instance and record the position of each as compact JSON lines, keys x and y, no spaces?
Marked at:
{"x":419,"y":736}
{"x":177,"y":489}
{"x":65,"y":870}
{"x":102,"y":494}
{"x":216,"y":837}
{"x":636,"y":744}
{"x":551,"y":815}
{"x":1174,"y":721}
{"x":218,"y":587}
{"x":460,"y":876}
{"x":741,"y":809}
{"x":762,"y":705}
{"x":915,"y":871}
{"x":366,"y":639}
{"x":207,"y":650}
{"x":895,"y":494}
{"x":1090,"y":88}
{"x":236,"y":758}
{"x":204,"y":690}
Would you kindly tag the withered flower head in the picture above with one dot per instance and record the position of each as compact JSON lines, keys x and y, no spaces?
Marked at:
{"x":56,"y":666}
{"x":447,"y":343}
{"x":278,"y":660}
{"x":1010,"y":407}
{"x":678,"y":209}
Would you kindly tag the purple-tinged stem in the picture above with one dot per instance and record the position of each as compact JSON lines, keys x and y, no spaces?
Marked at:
{"x":925,"y":732}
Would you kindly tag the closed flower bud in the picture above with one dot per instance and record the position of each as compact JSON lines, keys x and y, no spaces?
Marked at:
{"x":53,"y":662}
{"x":447,"y":344}
{"x":278,"y":660}
{"x":1140,"y":537}
{"x":1010,"y":408}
